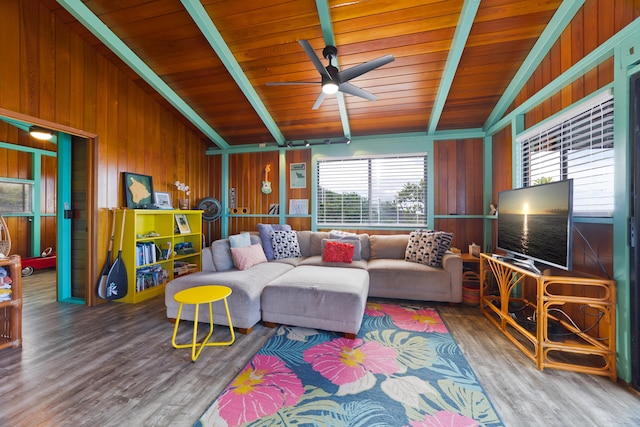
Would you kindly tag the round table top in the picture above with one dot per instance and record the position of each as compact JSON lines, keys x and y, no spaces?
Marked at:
{"x":202,"y":294}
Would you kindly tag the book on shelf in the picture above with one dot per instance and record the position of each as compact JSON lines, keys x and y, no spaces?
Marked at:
{"x":148,"y":277}
{"x":147,"y":253}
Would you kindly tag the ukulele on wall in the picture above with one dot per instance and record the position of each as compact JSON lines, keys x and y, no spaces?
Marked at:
{"x":266,"y":184}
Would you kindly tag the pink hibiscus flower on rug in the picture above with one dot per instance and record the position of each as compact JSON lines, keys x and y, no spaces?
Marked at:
{"x":445,"y":418}
{"x":343,"y":361}
{"x":261,"y":389}
{"x":419,"y":320}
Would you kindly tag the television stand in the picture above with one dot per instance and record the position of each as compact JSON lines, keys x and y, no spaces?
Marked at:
{"x":586,"y":344}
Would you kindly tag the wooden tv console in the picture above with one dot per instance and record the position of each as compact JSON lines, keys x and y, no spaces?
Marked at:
{"x":524,"y":304}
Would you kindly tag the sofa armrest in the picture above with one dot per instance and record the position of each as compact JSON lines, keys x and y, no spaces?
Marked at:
{"x":452,"y":263}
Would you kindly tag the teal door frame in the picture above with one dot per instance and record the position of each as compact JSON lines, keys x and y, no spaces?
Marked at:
{"x":63,"y":210}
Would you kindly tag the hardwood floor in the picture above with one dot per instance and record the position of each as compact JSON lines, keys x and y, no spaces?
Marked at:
{"x":113,"y":365}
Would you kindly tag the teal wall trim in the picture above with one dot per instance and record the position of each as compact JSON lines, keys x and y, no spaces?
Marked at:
{"x":83,"y":14}
{"x":224,"y":184}
{"x":213,"y":36}
{"x":36,"y":166}
{"x":64,"y":224}
{"x":549,"y":36}
{"x":467,"y":16}
{"x":487,"y":191}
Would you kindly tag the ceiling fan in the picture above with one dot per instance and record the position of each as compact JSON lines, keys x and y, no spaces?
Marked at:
{"x":334,"y":80}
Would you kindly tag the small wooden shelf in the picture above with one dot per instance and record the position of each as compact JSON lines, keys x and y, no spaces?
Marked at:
{"x":143,"y":283}
{"x":588,"y":349}
{"x":11,"y":310}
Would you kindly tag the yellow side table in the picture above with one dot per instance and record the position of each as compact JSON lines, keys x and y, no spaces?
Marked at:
{"x":202,"y":295}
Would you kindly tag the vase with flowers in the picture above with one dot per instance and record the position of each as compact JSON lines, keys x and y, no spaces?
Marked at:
{"x":183,"y":202}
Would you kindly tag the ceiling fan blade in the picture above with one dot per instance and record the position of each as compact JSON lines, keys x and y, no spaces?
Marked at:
{"x":314,"y":58}
{"x":359,"y":70}
{"x":353,"y":90}
{"x":290,"y":83}
{"x":319,"y":101}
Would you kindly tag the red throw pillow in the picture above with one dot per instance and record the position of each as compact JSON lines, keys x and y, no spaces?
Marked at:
{"x":337,"y":252}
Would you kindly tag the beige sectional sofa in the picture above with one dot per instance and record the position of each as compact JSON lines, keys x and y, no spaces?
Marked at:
{"x":306,"y":291}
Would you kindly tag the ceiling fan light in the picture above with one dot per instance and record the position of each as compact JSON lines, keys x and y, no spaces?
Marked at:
{"x":330,"y":87}
{"x":40,"y":133}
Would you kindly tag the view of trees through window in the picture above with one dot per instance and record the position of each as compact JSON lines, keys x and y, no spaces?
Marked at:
{"x":372,"y":191}
{"x":15,"y":197}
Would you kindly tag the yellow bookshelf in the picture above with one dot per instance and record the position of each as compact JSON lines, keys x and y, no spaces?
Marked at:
{"x":149,"y":244}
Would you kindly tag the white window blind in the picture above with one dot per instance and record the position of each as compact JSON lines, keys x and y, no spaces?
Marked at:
{"x":579,"y":146}
{"x":384,"y":191}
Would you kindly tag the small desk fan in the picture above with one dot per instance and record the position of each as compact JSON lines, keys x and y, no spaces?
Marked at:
{"x":211,"y":211}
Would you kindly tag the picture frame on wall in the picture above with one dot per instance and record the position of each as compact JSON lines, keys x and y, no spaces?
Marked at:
{"x":183,"y":224}
{"x":298,"y":175}
{"x":138,"y":190}
{"x":162,"y":200}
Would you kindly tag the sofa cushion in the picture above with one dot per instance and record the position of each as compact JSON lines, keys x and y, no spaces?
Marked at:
{"x":221,"y":252}
{"x":304,"y":241}
{"x":388,"y":246}
{"x":285,"y":244}
{"x":397,"y":278}
{"x":315,"y":242}
{"x":248,"y":256}
{"x":336,"y":251}
{"x":265,"y":231}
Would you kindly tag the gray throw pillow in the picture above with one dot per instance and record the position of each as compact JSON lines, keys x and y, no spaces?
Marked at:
{"x":265,"y":231}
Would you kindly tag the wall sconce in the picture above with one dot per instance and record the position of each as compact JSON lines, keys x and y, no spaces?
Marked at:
{"x":40,"y":133}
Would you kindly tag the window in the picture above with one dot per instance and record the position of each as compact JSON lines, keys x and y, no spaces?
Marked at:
{"x":15,"y":197}
{"x":384,"y":191}
{"x":579,"y":146}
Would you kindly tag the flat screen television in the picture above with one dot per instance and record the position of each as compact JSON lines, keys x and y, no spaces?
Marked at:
{"x":535,"y":224}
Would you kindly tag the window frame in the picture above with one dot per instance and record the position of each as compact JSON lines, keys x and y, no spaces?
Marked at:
{"x":367,"y":222}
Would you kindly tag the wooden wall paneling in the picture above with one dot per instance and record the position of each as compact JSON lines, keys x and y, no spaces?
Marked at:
{"x":473,"y":184}
{"x":444,"y":178}
{"x":62,"y":75}
{"x":465,"y":231}
{"x":47,"y":56}
{"x":9,"y":79}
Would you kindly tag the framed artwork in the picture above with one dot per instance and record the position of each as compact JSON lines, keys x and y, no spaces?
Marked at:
{"x":138,"y":190}
{"x":298,"y":175}
{"x":183,"y":224}
{"x":162,"y":200}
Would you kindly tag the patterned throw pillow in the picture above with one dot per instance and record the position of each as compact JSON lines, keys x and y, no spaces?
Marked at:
{"x":285,"y":244}
{"x":335,"y":251}
{"x":265,"y":231}
{"x":428,"y":247}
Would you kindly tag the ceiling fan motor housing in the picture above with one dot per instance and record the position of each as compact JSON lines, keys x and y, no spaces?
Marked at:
{"x":330,"y":52}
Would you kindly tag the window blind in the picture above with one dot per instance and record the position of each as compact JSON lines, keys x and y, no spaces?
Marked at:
{"x":580,"y":147}
{"x":372,"y":191}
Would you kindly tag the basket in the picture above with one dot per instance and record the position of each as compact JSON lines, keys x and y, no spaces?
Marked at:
{"x":5,"y":237}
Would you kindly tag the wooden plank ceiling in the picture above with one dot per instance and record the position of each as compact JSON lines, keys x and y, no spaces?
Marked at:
{"x":261,"y":38}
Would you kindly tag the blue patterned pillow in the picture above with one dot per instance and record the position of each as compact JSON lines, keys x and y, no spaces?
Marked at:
{"x":285,"y":244}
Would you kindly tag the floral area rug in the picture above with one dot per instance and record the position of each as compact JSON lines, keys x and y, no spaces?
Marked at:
{"x":403,"y":369}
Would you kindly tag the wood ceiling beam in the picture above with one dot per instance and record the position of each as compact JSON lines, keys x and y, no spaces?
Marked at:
{"x":90,"y":21}
{"x":460,"y":37}
{"x":213,"y":36}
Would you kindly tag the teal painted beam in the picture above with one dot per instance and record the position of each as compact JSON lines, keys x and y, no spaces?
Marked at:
{"x":37,"y":151}
{"x":87,"y":18}
{"x":224,"y":184}
{"x":465,"y":22}
{"x":549,"y":36}
{"x":487,"y":192}
{"x":458,"y":134}
{"x":622,"y":154}
{"x":36,"y":223}
{"x":324,"y":14}
{"x":213,"y":36}
{"x":586,"y":64}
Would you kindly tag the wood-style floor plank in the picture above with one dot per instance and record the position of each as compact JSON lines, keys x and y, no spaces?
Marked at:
{"x":113,"y":365}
